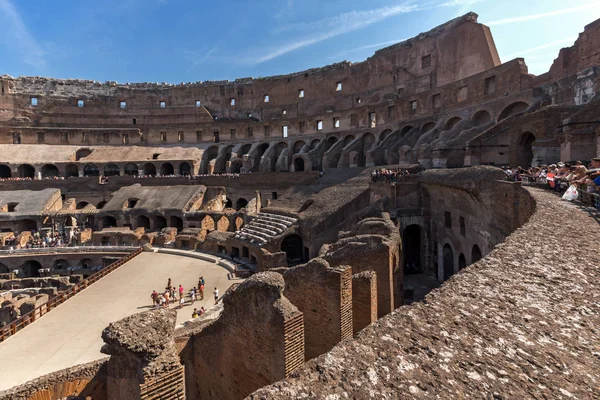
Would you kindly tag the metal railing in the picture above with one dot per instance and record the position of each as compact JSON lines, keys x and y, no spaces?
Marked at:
{"x":12,"y":328}
{"x":67,"y":249}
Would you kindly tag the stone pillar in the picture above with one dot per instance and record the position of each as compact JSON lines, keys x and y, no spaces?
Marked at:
{"x":324,"y":295}
{"x":364,"y":300}
{"x":144,"y":362}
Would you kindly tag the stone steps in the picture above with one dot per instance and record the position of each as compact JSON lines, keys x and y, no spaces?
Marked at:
{"x":265,"y":227}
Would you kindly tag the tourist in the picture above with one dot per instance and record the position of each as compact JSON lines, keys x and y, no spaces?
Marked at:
{"x":162,"y":300}
{"x":201,"y":291}
{"x":193,"y":295}
{"x":167,"y":296}
{"x":202,"y":311}
{"x":181,"y":301}
{"x":154,"y":297}
{"x":195,"y":313}
{"x":180,"y":292}
{"x":216,"y":293}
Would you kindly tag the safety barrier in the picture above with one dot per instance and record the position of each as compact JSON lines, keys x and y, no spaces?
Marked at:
{"x":30,"y":317}
{"x":67,"y":249}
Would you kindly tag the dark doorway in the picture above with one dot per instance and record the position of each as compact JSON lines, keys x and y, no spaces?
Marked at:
{"x":5,"y":171}
{"x":176,"y":222}
{"x":299,"y":164}
{"x":130,"y":169}
{"x":411,"y":244}
{"x":524,"y":150}
{"x":30,"y":269}
{"x":294,"y":249}
{"x":25,"y":171}
{"x":475,"y":254}
{"x":108,"y":221}
{"x":448,"y":262}
{"x":149,"y":169}
{"x":143,"y":222}
{"x":91,"y":170}
{"x":112,"y":170}
{"x":185,"y":169}
{"x":166,"y":169}
{"x":71,"y":171}
{"x":49,"y":171}
{"x":462,"y":262}
{"x":161,"y":222}
{"x":241,"y":203}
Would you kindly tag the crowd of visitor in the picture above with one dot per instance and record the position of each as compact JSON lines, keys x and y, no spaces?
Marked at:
{"x":175,"y":296}
{"x":388,"y":175}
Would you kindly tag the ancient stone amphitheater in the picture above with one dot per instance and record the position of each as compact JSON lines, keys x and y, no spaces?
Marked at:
{"x":448,"y":283}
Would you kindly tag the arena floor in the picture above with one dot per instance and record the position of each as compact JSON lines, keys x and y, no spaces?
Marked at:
{"x":70,"y":334}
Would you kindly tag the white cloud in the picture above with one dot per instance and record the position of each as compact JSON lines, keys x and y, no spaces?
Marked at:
{"x":525,"y":18}
{"x":369,"y":46}
{"x":555,"y":43}
{"x":18,"y":36}
{"x":198,"y":57}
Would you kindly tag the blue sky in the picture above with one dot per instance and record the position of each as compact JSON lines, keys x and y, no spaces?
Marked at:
{"x":190,"y":40}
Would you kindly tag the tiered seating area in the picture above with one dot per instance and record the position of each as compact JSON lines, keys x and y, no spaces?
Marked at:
{"x":264,"y":227}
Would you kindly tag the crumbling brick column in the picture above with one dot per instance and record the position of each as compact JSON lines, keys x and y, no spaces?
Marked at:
{"x":257,"y":340}
{"x":144,"y":362}
{"x":324,"y":295}
{"x":364,"y":300}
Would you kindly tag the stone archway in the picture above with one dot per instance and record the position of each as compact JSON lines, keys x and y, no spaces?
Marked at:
{"x":108,"y":221}
{"x":149,"y":169}
{"x":524,"y":155}
{"x":293,"y":247}
{"x":25,"y":171}
{"x":475,"y":254}
{"x":143,"y":222}
{"x":512,"y":109}
{"x":30,"y":269}
{"x":185,"y":169}
{"x":61,"y":264}
{"x":112,"y":170}
{"x":50,"y":171}
{"x":167,"y":169}
{"x":462,"y":262}
{"x":5,"y":171}
{"x":176,"y":222}
{"x":160,"y":222}
{"x":71,"y":171}
{"x":448,"y":259}
{"x":130,"y":169}
{"x":240,"y":203}
{"x":91,"y":170}
{"x":298,"y":164}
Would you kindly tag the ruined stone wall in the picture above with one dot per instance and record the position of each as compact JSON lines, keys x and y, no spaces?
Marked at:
{"x":364,"y":300}
{"x":257,"y":340}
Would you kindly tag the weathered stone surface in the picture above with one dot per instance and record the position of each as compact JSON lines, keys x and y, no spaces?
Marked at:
{"x":520,"y":323}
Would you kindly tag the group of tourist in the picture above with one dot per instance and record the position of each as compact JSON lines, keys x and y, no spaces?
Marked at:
{"x":388,"y":175}
{"x":176,"y":296}
{"x":16,"y":179}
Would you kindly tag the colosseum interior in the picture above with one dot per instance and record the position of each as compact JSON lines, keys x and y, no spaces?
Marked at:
{"x":447,"y":282}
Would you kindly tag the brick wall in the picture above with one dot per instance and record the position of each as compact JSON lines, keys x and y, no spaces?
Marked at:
{"x":364,"y":300}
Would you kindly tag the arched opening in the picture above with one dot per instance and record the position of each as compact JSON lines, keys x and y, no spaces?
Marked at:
{"x":161,"y":222}
{"x":81,"y":153}
{"x":228,"y":203}
{"x":448,"y":255}
{"x":427,"y":127}
{"x":236,"y":167}
{"x":86,"y":263}
{"x":176,"y":222}
{"x":130,"y":169}
{"x":514,"y":108}
{"x":223,"y":160}
{"x":405,"y":130}
{"x":71,"y":171}
{"x":223,"y":224}
{"x":384,"y":135}
{"x":525,"y":150}
{"x":411,"y":246}
{"x":49,"y":171}
{"x":298,"y":146}
{"x":258,"y":155}
{"x":462,"y":262}
{"x":5,"y":171}
{"x":239,"y":223}
{"x":61,"y":264}
{"x":451,"y":123}
{"x":475,"y":254}
{"x":167,"y":169}
{"x":108,"y":221}
{"x":368,"y":141}
{"x":25,"y":171}
{"x":241,"y":203}
{"x":244,"y":150}
{"x":30,"y":269}
{"x":149,"y":169}
{"x":185,"y":169}
{"x":112,"y":170}
{"x":91,"y":170}
{"x":330,"y":142}
{"x":481,"y":117}
{"x":314,"y":144}
{"x":4,"y":269}
{"x":81,"y":205}
{"x":208,"y":223}
{"x":348,"y":139}
{"x":210,"y":154}
{"x":143,"y":222}
{"x":101,"y":205}
{"x":293,"y":247}
{"x":299,"y":164}
{"x":29,"y":225}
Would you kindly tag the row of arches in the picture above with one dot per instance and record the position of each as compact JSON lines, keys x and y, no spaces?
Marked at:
{"x":111,"y":169}
{"x":31,"y":268}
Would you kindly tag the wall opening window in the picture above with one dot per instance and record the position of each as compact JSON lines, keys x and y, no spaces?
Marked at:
{"x":84,"y":137}
{"x":301,"y":93}
{"x":64,"y":137}
{"x":80,"y":103}
{"x":216,"y":136}
{"x":284,"y":112}
{"x":232,"y":133}
{"x":16,"y":138}
{"x":391,"y":112}
{"x":10,"y":207}
{"x":336,"y":122}
{"x":163,"y":104}
{"x":426,"y":61}
{"x":412,"y":106}
{"x":123,"y":104}
{"x":462,"y":94}
{"x":34,"y":101}
{"x":155,"y":156}
{"x":250,"y":132}
{"x":353,"y":120}
{"x":274,"y":195}
{"x":436,"y":101}
{"x":163,"y":136}
{"x":358,"y":100}
{"x":199,"y":136}
{"x":302,"y":126}
{"x":134,"y":121}
{"x":266,"y":98}
{"x":447,"y":219}
{"x":180,"y":136}
{"x":490,"y":85}
{"x":198,"y":103}
{"x":319,"y":125}
{"x":41,"y":137}
{"x":232,"y":102}
{"x":125,"y":138}
{"x":338,"y":87}
{"x":372,"y":120}
{"x":284,"y":131}
{"x":267,"y":131}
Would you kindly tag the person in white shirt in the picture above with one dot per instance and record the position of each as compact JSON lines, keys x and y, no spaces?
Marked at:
{"x":216,"y":293}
